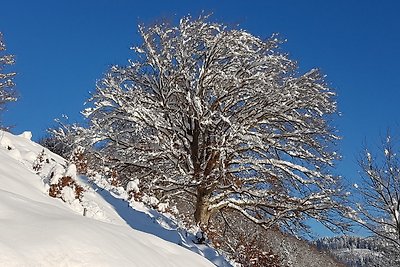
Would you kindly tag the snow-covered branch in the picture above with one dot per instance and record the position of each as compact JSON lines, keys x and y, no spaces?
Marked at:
{"x":7,"y":94}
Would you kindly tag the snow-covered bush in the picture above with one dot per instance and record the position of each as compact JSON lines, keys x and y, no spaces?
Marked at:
{"x":39,"y":161}
{"x":67,"y":189}
{"x":63,"y":183}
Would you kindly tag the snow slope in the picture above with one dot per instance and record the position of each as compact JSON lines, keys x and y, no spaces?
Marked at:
{"x":37,"y":230}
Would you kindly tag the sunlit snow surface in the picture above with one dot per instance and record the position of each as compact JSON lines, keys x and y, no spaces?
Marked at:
{"x":37,"y":230}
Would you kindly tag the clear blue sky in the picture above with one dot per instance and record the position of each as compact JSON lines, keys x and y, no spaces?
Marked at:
{"x":62,"y":47}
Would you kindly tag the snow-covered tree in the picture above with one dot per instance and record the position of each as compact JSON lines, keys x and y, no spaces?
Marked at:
{"x":222,"y":118}
{"x":7,"y":94}
{"x":378,"y":200}
{"x":63,"y":138}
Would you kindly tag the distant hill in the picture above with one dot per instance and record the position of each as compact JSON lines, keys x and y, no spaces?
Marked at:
{"x":353,"y":251}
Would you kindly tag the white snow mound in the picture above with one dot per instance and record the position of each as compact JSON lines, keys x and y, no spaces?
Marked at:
{"x":37,"y":230}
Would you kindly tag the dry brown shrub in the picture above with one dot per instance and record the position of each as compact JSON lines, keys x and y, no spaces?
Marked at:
{"x":56,"y":189}
{"x":79,"y":158}
{"x":249,"y":254}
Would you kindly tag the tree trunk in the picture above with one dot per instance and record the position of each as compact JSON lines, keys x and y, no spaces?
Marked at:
{"x":202,"y":213}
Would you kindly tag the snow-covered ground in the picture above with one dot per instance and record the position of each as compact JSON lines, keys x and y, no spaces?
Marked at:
{"x":38,"y":230}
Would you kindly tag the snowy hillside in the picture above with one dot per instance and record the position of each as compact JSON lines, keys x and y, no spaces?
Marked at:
{"x":38,"y":230}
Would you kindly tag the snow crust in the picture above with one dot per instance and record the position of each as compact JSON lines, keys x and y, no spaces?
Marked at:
{"x":37,"y":230}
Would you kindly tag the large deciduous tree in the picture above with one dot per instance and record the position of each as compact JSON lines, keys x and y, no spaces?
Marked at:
{"x":221,"y":117}
{"x":7,"y":94}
